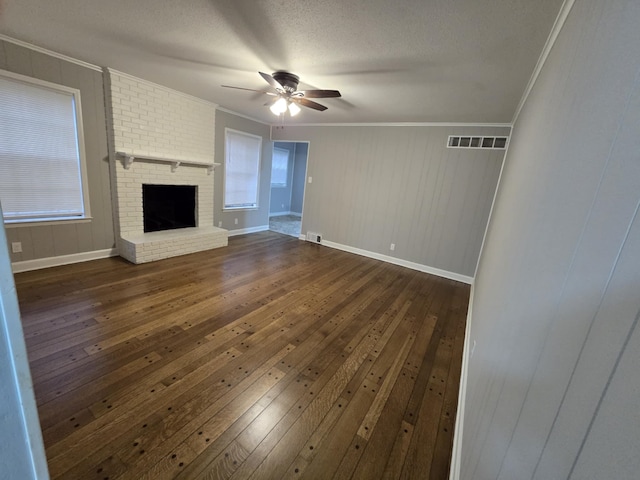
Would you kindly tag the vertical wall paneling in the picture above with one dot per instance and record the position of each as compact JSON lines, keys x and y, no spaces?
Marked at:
{"x":552,"y":384}
{"x":298,"y":180}
{"x":45,"y":241}
{"x":377,"y":185}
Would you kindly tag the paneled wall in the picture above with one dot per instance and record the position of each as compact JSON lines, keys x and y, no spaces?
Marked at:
{"x":49,"y":240}
{"x":553,"y":383}
{"x":377,"y":185}
{"x":299,"y":177}
{"x":247,"y":219}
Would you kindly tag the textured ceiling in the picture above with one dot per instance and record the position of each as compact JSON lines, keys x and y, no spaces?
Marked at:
{"x":394,"y":61}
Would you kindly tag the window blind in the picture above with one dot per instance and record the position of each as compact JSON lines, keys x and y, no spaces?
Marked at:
{"x":40,"y":176}
{"x":279,"y":167}
{"x":241,"y":170}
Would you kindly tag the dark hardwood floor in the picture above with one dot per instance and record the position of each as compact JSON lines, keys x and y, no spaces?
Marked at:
{"x":271,"y":358}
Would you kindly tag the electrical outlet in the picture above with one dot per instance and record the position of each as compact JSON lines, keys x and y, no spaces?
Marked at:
{"x":473,"y":349}
{"x":16,"y":247}
{"x":235,"y":221}
{"x":392,"y":247}
{"x":310,"y":180}
{"x":219,"y":224}
{"x":282,"y":205}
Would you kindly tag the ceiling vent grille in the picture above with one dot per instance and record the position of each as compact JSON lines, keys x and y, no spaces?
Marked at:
{"x":485,"y":143}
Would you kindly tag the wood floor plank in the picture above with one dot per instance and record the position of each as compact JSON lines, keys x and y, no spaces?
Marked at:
{"x":270,"y":358}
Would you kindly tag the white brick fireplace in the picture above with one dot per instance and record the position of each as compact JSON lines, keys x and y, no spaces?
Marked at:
{"x":162,"y":137}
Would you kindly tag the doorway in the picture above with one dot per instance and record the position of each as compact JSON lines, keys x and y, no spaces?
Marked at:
{"x":288,"y":173}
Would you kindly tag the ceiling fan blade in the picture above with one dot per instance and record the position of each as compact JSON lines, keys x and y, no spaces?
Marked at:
{"x":319,"y":93}
{"x":272,"y":81}
{"x":308,"y":103}
{"x":249,"y":90}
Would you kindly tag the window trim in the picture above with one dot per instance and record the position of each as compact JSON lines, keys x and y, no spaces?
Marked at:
{"x":75,"y":93}
{"x":225,"y":208}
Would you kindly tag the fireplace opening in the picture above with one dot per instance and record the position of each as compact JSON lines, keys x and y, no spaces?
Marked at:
{"x":167,"y":207}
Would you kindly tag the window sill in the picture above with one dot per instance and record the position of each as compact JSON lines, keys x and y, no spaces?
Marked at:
{"x":45,"y":222}
{"x":235,"y":209}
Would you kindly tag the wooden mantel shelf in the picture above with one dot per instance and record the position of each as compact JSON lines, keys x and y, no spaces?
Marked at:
{"x":128,"y":159}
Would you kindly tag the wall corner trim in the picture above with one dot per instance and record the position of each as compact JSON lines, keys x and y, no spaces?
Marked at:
{"x":456,"y":450}
{"x":39,"y":263}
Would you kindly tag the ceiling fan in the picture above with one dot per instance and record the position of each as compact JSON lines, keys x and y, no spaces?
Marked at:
{"x":287,"y":96}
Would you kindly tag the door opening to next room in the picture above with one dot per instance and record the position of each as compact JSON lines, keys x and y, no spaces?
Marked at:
{"x":288,"y":173}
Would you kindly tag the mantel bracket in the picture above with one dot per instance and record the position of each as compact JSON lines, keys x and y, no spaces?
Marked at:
{"x":127,"y":160}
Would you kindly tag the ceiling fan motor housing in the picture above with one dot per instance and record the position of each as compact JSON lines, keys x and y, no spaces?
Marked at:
{"x":288,"y":80}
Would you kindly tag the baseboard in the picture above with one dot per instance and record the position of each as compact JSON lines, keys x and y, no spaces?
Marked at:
{"x":456,"y":451}
{"x":48,"y":262}
{"x":279,"y":214}
{"x":398,"y":261}
{"x":244,"y":231}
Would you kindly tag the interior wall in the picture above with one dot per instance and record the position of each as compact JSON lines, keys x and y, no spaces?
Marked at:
{"x":21,"y":447}
{"x":299,"y":177}
{"x":377,"y":185}
{"x":281,"y":196}
{"x":553,"y":382}
{"x":48,"y":240}
{"x":257,"y":218}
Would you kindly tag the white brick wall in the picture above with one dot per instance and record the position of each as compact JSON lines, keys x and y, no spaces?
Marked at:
{"x":150,"y":120}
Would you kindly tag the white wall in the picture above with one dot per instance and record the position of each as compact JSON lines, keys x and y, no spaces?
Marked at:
{"x":21,"y":448}
{"x":553,"y":383}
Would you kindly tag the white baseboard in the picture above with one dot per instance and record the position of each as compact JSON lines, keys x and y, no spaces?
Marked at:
{"x":243,"y":231}
{"x":278,"y":214}
{"x":40,"y":263}
{"x":398,"y":261}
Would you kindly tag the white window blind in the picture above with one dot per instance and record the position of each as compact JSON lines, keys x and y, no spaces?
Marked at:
{"x":40,"y":162}
{"x":241,"y":169}
{"x":280,"y":167}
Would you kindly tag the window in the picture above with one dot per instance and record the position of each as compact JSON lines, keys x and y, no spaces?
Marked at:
{"x":241,"y":169}
{"x":42,"y":174}
{"x":280,"y":167}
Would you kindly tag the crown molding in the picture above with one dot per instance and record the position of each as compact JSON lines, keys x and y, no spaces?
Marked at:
{"x":51,"y":53}
{"x":396,"y":124}
{"x":551,"y":40}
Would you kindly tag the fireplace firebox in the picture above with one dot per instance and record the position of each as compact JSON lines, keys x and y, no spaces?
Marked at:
{"x":168,"y":207}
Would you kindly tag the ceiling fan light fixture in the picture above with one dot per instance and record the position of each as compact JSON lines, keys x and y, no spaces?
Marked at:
{"x":279,"y":107}
{"x":293,"y":109}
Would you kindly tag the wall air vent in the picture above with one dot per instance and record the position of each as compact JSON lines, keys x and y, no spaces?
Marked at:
{"x":314,"y":237}
{"x":490,"y":143}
